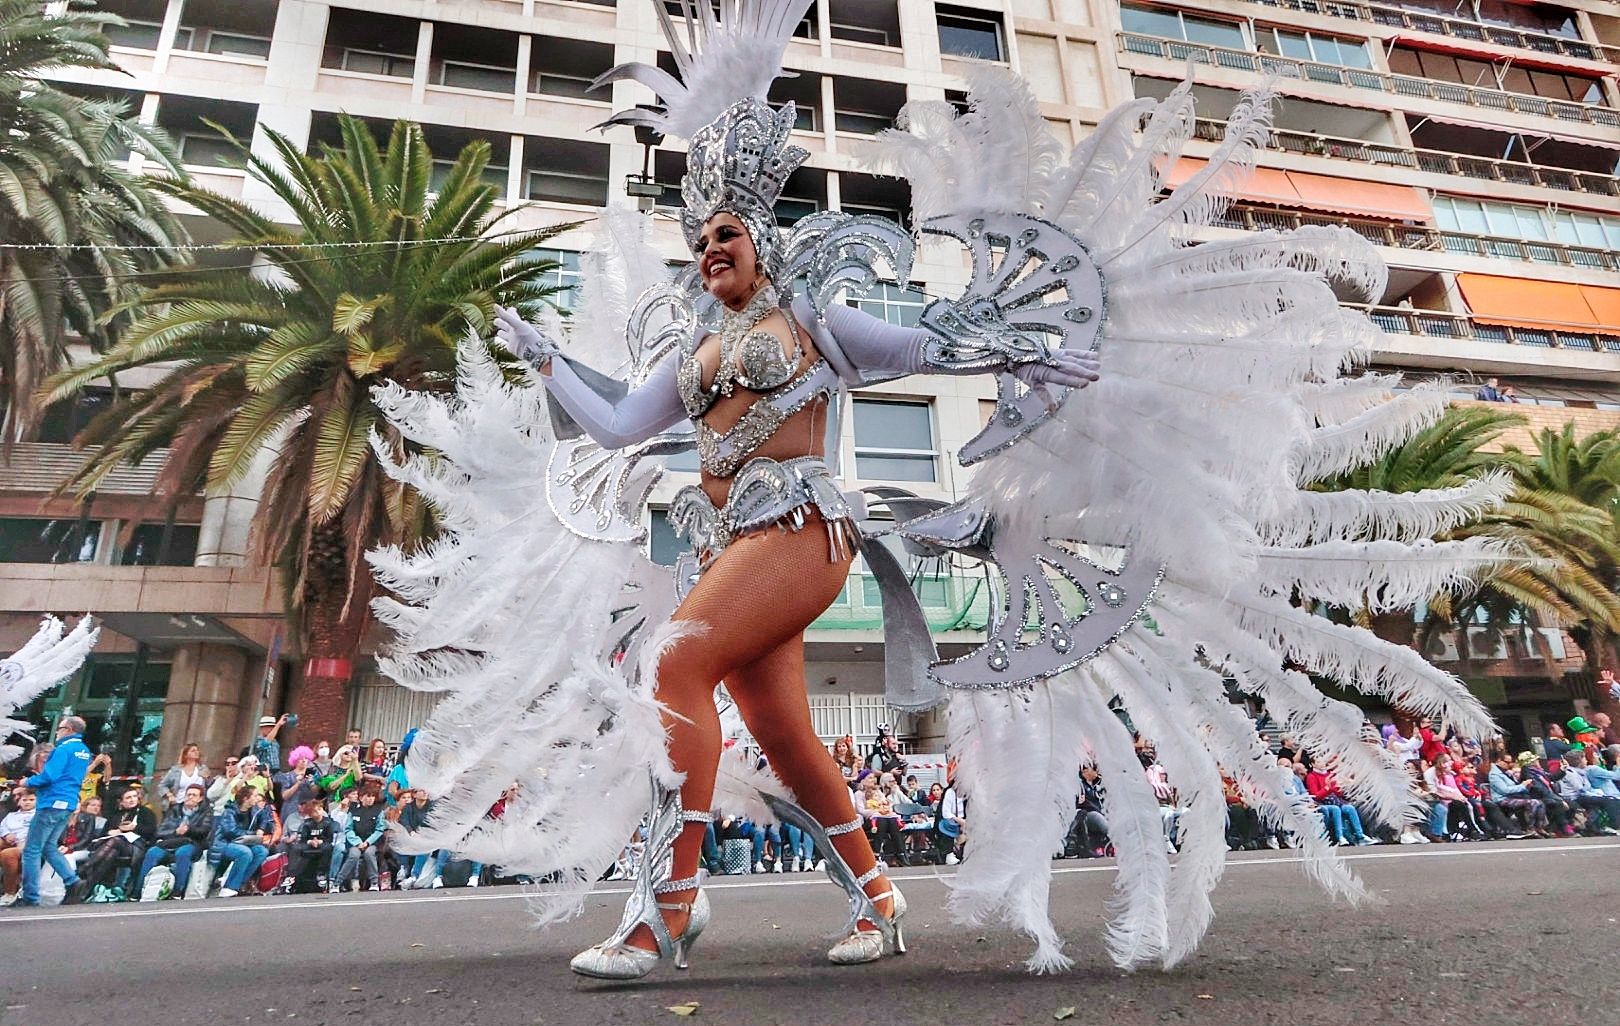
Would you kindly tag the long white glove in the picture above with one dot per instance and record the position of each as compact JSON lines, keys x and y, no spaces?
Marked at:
{"x":1071,"y":368}
{"x":522,"y":339}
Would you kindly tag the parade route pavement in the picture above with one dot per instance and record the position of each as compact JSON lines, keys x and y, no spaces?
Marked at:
{"x":1511,"y":933}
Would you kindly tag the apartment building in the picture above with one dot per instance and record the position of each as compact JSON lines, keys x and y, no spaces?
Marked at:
{"x":1474,"y":141}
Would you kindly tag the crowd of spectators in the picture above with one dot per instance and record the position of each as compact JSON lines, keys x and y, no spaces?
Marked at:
{"x":316,"y":822}
{"x":1466,"y":790}
{"x":320,"y":821}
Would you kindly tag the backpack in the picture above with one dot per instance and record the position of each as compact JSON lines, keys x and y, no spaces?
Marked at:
{"x":158,"y":885}
{"x":271,"y":872}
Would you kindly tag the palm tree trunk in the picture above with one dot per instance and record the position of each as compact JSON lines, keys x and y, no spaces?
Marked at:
{"x":334,"y":622}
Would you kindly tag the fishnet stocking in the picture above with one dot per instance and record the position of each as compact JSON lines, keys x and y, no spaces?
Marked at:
{"x":753,"y":605}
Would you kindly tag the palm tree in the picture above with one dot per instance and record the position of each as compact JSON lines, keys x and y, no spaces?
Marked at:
{"x":1587,"y":471}
{"x":375,"y":282}
{"x":1573,"y":541}
{"x":65,"y":195}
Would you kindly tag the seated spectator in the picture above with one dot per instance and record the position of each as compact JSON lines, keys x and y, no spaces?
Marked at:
{"x":365,"y":832}
{"x":1413,"y":833}
{"x":13,"y":836}
{"x":1343,"y":820}
{"x":222,"y":789}
{"x":376,"y":764}
{"x":1605,"y":732}
{"x":1584,"y":733}
{"x":189,"y":770}
{"x":310,"y":850}
{"x":1488,"y":392}
{"x":1555,"y":744}
{"x":1474,"y":787}
{"x":182,"y":836}
{"x":86,"y":827}
{"x":1544,"y":786}
{"x":1514,"y":797}
{"x":241,"y":839}
{"x":1459,"y":818}
{"x":1577,"y":788}
{"x":344,"y":775}
{"x":1159,"y":780}
{"x":1088,"y":835}
{"x":133,"y":828}
{"x":296,"y":785}
{"x":340,"y":811}
{"x":1242,"y":822}
{"x":882,"y":824}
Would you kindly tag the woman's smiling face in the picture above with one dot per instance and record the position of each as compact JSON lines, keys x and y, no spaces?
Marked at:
{"x":727,"y":260}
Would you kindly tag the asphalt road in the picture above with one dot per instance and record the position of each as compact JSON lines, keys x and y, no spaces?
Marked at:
{"x":1514,"y":933}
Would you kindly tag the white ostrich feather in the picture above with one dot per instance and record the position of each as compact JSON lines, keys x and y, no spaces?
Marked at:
{"x":1007,"y":744}
{"x":1360,"y":440}
{"x":46,"y":659}
{"x":726,"y":50}
{"x":1373,"y":514}
{"x":1380,"y":575}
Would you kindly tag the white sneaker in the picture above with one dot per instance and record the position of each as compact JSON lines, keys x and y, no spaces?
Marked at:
{"x":1271,"y":842}
{"x":472,"y":881}
{"x":438,"y":882}
{"x":6,"y":900}
{"x":951,"y":859}
{"x":374,"y":887}
{"x":821,"y":865}
{"x":226,"y":892}
{"x":777,"y":868}
{"x":759,"y":867}
{"x":405,"y":883}
{"x":1368,"y":839}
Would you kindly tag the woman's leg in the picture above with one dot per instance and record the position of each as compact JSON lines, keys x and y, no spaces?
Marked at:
{"x":764,"y":589}
{"x":770,"y":694}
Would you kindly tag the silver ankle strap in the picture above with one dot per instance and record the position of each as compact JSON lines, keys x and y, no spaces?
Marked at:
{"x":868,"y":876}
{"x":689,"y":883}
{"x":697,"y":817}
{"x":845,"y":828}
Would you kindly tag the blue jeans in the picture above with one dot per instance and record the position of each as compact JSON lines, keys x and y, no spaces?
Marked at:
{"x":441,"y":858}
{"x":245,"y":860}
{"x":340,"y":848}
{"x":44,"y":838}
{"x":797,"y":843}
{"x":1343,"y":821}
{"x":760,"y":835}
{"x":1438,"y":815}
{"x":183,"y":857}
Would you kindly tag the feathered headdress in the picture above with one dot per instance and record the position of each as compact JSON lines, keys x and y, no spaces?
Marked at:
{"x":727,"y":55}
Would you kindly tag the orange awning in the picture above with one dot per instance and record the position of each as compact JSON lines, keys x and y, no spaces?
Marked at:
{"x":1364,"y":199}
{"x":1523,"y":303}
{"x":1266,"y":185}
{"x":1303,"y":191}
{"x":1605,"y":304}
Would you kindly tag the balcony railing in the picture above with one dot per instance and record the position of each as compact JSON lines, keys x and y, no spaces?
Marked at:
{"x":1361,"y":78}
{"x":1440,"y":324}
{"x":1456,"y":28}
{"x":1422,"y":237}
{"x":1437,"y":161}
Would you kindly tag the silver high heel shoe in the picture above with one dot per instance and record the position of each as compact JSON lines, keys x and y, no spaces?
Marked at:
{"x":613,"y":959}
{"x":858,"y":945}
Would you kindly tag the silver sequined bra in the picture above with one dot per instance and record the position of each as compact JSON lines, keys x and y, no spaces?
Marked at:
{"x":765,"y":493}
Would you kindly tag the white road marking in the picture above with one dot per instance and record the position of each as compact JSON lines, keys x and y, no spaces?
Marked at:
{"x":230,"y":906}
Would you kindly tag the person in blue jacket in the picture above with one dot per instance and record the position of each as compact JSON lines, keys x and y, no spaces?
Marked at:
{"x":57,"y":785}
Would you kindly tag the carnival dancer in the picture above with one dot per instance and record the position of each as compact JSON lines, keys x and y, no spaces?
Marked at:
{"x":1176,"y":486}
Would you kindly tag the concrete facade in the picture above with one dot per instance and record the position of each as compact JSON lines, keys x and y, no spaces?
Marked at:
{"x":1508,"y":181}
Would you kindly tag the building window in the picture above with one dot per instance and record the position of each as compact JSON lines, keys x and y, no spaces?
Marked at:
{"x":161,"y":545}
{"x":1590,"y":230}
{"x":375,"y":62}
{"x":894,"y":440}
{"x":664,"y":546}
{"x":565,"y":171}
{"x":44,"y":540}
{"x":493,"y":175}
{"x":1308,"y":46}
{"x":967,"y":33}
{"x":137,"y":35}
{"x":489,"y":78}
{"x":790,"y":208}
{"x":1166,"y":23}
{"x":201,"y":150}
{"x":226,"y":44}
{"x":1503,"y":220}
{"x":564,"y":277}
{"x":890,"y":302}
